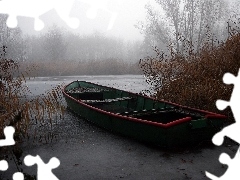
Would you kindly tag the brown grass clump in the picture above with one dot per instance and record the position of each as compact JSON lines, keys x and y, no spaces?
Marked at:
{"x":16,"y":107}
{"x":195,"y":80}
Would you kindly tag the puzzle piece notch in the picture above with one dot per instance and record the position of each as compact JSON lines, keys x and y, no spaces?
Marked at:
{"x":44,"y":170}
{"x":232,"y":130}
{"x":233,"y":167}
{"x":63,"y":9}
{"x":18,"y":176}
{"x":36,"y":8}
{"x":221,"y":104}
{"x":94,"y":7}
{"x":8,"y":132}
{"x":100,"y":5}
{"x":3,"y":165}
{"x":229,"y":78}
{"x":12,"y":23}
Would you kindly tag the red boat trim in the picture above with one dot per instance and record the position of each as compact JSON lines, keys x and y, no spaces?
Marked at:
{"x":219,"y":116}
{"x":168,"y":125}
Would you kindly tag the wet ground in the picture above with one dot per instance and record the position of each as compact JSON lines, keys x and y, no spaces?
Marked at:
{"x":88,"y":152}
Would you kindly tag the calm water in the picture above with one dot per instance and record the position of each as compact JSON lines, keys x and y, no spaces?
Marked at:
{"x":133,"y":83}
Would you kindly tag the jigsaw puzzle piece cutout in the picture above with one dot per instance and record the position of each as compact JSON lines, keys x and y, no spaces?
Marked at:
{"x":18,"y":176}
{"x":233,"y":167}
{"x":3,"y":165}
{"x":12,"y":21}
{"x":229,"y":78}
{"x":36,"y":8}
{"x":232,"y":130}
{"x":221,"y":104}
{"x":63,"y":8}
{"x":44,"y":170}
{"x":100,"y":5}
{"x":92,"y":13}
{"x":8,"y":141}
{"x":27,"y":8}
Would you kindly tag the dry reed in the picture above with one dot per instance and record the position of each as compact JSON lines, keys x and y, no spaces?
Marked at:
{"x":16,"y":107}
{"x":195,"y":78}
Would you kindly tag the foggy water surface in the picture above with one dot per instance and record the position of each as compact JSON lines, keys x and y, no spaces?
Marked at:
{"x":132,"y":83}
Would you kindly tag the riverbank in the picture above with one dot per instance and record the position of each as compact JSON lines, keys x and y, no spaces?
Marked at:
{"x":88,"y":152}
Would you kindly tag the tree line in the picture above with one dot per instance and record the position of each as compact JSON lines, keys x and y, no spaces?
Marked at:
{"x":183,"y":26}
{"x":202,"y":43}
{"x":60,"y":52}
{"x":175,"y":27}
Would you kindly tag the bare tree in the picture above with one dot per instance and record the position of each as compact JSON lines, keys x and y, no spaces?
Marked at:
{"x":155,"y":29}
{"x":11,"y":42}
{"x":183,"y":22}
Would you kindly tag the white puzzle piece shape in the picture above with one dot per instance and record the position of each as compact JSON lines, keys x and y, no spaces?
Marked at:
{"x":36,"y":8}
{"x":18,"y":176}
{"x":231,"y":131}
{"x":3,"y":165}
{"x":44,"y":170}
{"x":8,"y":141}
{"x":100,"y":5}
{"x":232,"y":172}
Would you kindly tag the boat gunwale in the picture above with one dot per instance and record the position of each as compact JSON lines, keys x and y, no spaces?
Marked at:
{"x":167,"y":125}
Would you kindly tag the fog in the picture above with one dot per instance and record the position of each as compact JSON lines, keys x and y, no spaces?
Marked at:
{"x":128,"y":13}
{"x":106,"y":45}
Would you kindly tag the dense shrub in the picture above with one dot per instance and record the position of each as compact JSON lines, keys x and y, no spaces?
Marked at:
{"x":195,"y":79}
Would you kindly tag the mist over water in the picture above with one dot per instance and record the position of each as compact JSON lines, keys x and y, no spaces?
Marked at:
{"x":132,"y":83}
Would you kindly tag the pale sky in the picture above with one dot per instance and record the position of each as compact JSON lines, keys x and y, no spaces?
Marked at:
{"x":129,"y":12}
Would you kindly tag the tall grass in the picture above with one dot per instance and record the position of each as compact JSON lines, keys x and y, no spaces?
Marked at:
{"x":195,"y":78}
{"x":16,"y":106}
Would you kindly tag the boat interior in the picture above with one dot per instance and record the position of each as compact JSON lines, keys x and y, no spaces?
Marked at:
{"x":129,"y":104}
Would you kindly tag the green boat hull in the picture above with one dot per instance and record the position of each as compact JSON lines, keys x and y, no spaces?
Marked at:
{"x":142,"y":118}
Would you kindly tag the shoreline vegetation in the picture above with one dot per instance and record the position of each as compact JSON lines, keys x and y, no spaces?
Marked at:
{"x":71,"y":68}
{"x":195,"y":78}
{"x":17,"y":108}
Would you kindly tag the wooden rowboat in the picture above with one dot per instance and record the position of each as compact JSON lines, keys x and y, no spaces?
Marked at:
{"x":162,"y":123}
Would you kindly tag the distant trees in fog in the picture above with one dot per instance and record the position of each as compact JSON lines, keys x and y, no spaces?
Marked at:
{"x":54,"y":44}
{"x":58,"y":52}
{"x":60,"y":45}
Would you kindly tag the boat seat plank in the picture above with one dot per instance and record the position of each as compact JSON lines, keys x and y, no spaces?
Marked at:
{"x":80,"y":90}
{"x":96,"y":101}
{"x":136,"y":113}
